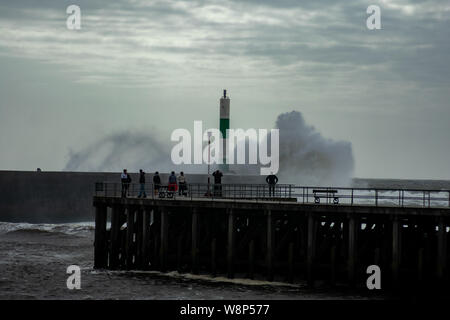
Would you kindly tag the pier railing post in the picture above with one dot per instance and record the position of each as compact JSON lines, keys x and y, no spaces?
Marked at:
{"x":100,"y":249}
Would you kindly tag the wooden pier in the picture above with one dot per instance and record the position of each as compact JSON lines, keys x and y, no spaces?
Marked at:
{"x":283,"y":241}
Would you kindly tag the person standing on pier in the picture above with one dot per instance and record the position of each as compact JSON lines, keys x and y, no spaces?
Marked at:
{"x":156,"y":182}
{"x":126,"y":180}
{"x":172,"y":187}
{"x":272,"y":180}
{"x":182,"y":184}
{"x":142,"y":184}
{"x":217,"y":182}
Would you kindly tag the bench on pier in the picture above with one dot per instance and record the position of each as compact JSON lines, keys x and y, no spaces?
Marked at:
{"x":325,"y":193}
{"x":169,"y":191}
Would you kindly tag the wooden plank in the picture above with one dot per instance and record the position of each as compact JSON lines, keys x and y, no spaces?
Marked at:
{"x":100,"y":244}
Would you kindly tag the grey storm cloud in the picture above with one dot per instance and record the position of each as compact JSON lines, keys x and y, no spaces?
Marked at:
{"x":134,"y":36}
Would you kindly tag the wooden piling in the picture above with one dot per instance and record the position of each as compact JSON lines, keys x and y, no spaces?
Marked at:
{"x":420,"y":256}
{"x":251,"y":259}
{"x":100,"y":249}
{"x":213,"y":257}
{"x":396,"y":254}
{"x":310,"y":250}
{"x":352,"y":250}
{"x":230,"y":244}
{"x":441,"y":250}
{"x":333,"y":250}
{"x":139,"y":235}
{"x":269,"y":248}
{"x":291,"y":262}
{"x":194,"y":243}
{"x":115,"y":240}
{"x":146,"y":238}
{"x":130,"y":238}
{"x":164,"y":239}
{"x":179,"y":253}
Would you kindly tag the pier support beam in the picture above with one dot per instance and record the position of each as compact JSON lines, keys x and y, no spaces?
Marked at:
{"x":100,"y":250}
{"x":396,"y":251}
{"x":146,"y":238}
{"x":251,"y":258}
{"x":164,"y":238}
{"x":130,"y":245}
{"x":291,"y":262}
{"x":441,"y":250}
{"x":117,"y":211}
{"x":194,"y":245}
{"x":269,"y":249}
{"x":213,"y":257}
{"x":352,"y":249}
{"x":310,"y":249}
{"x":139,"y":237}
{"x":230,"y":244}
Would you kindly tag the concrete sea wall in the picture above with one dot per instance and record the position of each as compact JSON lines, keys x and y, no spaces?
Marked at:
{"x":57,"y":197}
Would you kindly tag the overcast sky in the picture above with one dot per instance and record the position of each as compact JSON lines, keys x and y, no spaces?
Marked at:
{"x":153,"y":66}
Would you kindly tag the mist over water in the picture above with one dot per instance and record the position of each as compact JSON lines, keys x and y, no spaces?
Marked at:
{"x":305,"y":156}
{"x":133,"y":150}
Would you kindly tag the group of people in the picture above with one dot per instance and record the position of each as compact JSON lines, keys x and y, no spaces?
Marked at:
{"x":179,"y":183}
{"x":175,"y":183}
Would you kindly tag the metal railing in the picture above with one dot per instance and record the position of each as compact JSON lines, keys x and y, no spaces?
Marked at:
{"x":284,"y":192}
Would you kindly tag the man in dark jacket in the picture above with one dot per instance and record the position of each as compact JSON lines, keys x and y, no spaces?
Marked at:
{"x":156,"y":182}
{"x":217,"y":182}
{"x":142,"y":184}
{"x":272,"y":180}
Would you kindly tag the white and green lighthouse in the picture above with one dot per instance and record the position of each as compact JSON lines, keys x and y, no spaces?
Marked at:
{"x":224,"y":126}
